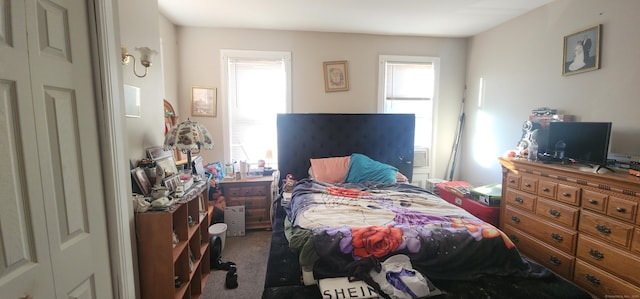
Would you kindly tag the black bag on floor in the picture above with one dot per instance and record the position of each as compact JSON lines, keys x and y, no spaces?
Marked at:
{"x":215,"y":250}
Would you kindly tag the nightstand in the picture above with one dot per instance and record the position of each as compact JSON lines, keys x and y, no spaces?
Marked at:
{"x":256,"y":194}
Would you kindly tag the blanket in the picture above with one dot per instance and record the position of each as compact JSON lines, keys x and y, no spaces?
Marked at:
{"x":334,"y":226}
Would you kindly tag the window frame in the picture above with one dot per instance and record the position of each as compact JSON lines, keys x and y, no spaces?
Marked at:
{"x":382,"y":83}
{"x":225,"y":56}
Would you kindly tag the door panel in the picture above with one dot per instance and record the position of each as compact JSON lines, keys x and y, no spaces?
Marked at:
{"x":55,"y":223}
{"x":25,"y":263}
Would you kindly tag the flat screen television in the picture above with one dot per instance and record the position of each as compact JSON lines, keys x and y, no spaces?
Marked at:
{"x":584,"y":142}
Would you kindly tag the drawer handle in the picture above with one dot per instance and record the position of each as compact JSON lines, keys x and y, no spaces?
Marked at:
{"x":554,"y":260}
{"x":554,"y":213}
{"x":592,"y":280}
{"x":515,"y":219}
{"x":545,"y":189}
{"x":556,"y":237}
{"x":603,"y":229}
{"x":593,"y":201}
{"x":527,"y":185}
{"x":621,"y":209}
{"x":519,"y":200}
{"x":512,"y":181}
{"x":596,"y":254}
{"x":566,"y":194}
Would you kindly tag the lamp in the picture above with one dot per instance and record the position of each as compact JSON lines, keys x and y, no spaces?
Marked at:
{"x":268,"y":155}
{"x":145,"y":59}
{"x":188,"y":136}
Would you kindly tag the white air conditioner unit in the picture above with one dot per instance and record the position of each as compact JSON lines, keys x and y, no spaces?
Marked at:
{"x":421,"y":157}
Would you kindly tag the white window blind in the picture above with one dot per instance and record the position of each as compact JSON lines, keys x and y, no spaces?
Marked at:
{"x":409,"y":81}
{"x":257,"y":92}
{"x":408,"y":86}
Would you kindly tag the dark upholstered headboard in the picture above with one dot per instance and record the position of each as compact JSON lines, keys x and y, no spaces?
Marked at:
{"x":387,"y":138}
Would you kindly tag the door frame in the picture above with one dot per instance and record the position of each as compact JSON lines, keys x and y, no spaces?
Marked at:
{"x":105,"y":42}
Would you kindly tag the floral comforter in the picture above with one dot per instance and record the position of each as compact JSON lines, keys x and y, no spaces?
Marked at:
{"x":339,"y":224}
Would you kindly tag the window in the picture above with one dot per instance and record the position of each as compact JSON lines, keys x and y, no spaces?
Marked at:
{"x":257,"y":88}
{"x":408,"y":85}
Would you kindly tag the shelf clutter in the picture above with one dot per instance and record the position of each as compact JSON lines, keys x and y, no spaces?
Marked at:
{"x":173,"y":247}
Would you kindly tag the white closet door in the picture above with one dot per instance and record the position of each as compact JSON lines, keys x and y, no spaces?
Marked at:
{"x":58,"y":228}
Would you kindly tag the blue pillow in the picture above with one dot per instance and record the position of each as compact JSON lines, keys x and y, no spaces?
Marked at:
{"x":364,"y":169}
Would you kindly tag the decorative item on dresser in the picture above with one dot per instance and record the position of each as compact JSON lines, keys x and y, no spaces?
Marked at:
{"x":256,"y":194}
{"x":189,"y":137}
{"x":173,"y":248}
{"x":582,"y":225}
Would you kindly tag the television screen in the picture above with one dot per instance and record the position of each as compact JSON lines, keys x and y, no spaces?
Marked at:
{"x":585,"y":142}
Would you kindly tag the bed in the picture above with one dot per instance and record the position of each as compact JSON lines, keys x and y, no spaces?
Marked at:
{"x":327,"y":229}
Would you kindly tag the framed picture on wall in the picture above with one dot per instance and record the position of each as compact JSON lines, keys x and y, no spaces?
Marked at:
{"x":335,"y":76}
{"x":581,"y":51}
{"x":203,"y":101}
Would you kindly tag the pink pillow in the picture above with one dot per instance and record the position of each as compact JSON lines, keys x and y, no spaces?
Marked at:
{"x":401,"y":178}
{"x":330,"y":170}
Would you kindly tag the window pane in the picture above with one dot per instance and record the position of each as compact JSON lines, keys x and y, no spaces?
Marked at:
{"x":409,"y":88}
{"x":257,"y":93}
{"x":409,"y":80}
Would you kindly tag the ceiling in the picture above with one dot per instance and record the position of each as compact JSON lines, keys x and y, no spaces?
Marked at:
{"x":439,"y":18}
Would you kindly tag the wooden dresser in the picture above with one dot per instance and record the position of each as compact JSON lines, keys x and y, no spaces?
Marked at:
{"x":582,"y":225}
{"x":256,"y":194}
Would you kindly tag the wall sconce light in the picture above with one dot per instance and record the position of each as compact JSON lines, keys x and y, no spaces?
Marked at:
{"x":145,"y":59}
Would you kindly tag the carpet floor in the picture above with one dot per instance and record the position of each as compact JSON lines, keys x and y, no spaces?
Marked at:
{"x":250,"y":254}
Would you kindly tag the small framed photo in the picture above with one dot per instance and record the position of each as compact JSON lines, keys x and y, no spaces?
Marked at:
{"x":141,"y":180}
{"x":204,"y":101}
{"x":582,"y":51}
{"x":168,"y":164}
{"x":158,"y":153}
{"x":335,"y":76}
{"x":171,"y":182}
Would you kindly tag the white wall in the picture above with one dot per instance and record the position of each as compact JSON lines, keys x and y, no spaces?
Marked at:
{"x":521,"y":62}
{"x":169,"y":47}
{"x":142,"y":30}
{"x":199,"y":65}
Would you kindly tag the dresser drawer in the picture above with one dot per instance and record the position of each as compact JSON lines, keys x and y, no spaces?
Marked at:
{"x":554,"y":235}
{"x":520,"y":199}
{"x":245,"y":191}
{"x":557,"y":212}
{"x":594,"y":201}
{"x":513,"y":181}
{"x":555,"y":260}
{"x":606,"y":228}
{"x":257,"y":202}
{"x":547,"y":188}
{"x":619,"y":262}
{"x":601,"y":283}
{"x":622,"y":209}
{"x":529,"y":184}
{"x":568,"y":194}
{"x":635,"y":243}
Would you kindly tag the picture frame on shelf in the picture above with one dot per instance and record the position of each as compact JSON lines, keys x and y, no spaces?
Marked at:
{"x":171,"y":182}
{"x":157,"y":153}
{"x":581,"y":51}
{"x":336,"y":76}
{"x":204,"y":101}
{"x":141,"y":179}
{"x":168,"y":164}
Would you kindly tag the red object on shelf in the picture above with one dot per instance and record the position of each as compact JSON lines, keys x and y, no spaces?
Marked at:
{"x":447,"y":191}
